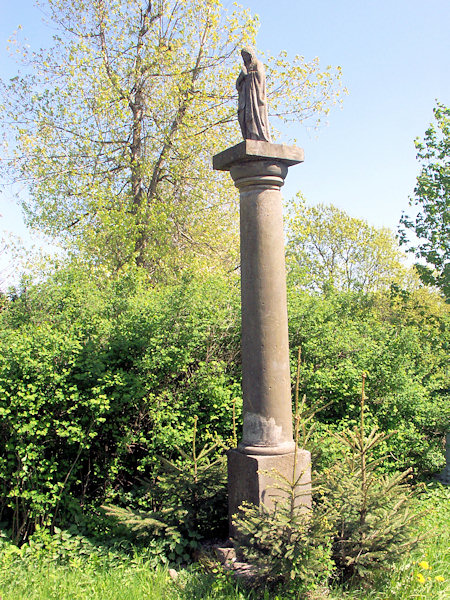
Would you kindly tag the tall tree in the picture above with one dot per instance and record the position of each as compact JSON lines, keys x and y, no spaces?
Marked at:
{"x":431,"y":225}
{"x":328,"y":248}
{"x":113,"y":129}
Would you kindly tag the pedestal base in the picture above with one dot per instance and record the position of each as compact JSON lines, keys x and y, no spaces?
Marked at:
{"x":251,"y":479}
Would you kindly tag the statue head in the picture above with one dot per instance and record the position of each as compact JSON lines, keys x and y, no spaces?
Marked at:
{"x":248,"y":55}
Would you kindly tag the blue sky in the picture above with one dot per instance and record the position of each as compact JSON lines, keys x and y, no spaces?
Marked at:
{"x":395,"y":57}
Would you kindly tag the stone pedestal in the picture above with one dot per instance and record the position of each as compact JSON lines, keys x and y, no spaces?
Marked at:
{"x":258,"y":170}
{"x":252,"y":478}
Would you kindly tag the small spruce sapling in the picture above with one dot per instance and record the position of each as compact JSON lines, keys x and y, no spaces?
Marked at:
{"x":372,"y":512}
{"x":193,"y":494}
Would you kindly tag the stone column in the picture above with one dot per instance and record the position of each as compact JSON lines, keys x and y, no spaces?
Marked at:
{"x":258,"y":170}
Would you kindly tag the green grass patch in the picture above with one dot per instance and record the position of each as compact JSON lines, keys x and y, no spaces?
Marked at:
{"x":42,"y":574}
{"x":70,"y":582}
{"x":122,"y":582}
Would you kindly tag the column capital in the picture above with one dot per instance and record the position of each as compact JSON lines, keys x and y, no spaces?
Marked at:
{"x":268,"y":174}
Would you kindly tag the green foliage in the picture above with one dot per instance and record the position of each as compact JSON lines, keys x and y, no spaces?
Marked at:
{"x":431,"y":224}
{"x":66,"y":565}
{"x":374,"y":524}
{"x":361,"y":523}
{"x":401,"y":340}
{"x":289,"y":546}
{"x":327,"y":248}
{"x":69,"y":547}
{"x":114,"y":127}
{"x":99,"y":378}
{"x":378,"y":321}
{"x":421,"y":574}
{"x":81,"y":568}
{"x":192,"y":499}
{"x":97,"y":381}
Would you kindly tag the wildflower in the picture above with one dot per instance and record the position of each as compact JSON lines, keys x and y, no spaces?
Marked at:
{"x":424,"y":565}
{"x":439,"y":578}
{"x":420,"y":578}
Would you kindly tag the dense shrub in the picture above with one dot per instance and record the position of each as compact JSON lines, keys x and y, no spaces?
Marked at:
{"x":97,"y":382}
{"x":401,"y":340}
{"x":374,"y":523}
{"x":186,"y":505}
{"x":99,"y":379}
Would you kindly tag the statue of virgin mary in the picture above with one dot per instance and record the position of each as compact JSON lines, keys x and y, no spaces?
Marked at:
{"x":252,"y":108}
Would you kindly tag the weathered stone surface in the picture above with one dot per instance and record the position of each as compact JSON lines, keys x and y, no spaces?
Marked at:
{"x":225,"y":555}
{"x":251,"y":479}
{"x":257,"y":150}
{"x":244,"y":570}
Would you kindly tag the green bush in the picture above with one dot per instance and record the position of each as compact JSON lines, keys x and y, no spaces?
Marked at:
{"x":97,"y":381}
{"x":289,"y":548}
{"x":191,"y":503}
{"x":372,"y":513}
{"x":401,"y":340}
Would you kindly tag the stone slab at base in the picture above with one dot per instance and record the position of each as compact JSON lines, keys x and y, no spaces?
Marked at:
{"x":250,"y":479}
{"x":255,"y":150}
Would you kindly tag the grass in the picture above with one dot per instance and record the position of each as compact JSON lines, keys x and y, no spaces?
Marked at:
{"x":36,"y":582}
{"x":104,"y":577}
{"x":126,"y":582}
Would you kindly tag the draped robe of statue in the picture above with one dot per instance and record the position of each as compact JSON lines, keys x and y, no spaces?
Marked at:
{"x":252,"y":107}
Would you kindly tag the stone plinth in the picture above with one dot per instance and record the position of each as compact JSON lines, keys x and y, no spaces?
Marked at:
{"x":258,"y":170}
{"x":251,"y":478}
{"x":249,"y":150}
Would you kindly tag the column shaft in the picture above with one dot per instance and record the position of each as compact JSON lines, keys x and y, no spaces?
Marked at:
{"x":267,"y":413}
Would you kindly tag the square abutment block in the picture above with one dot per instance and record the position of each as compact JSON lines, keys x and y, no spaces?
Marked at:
{"x":251,"y":478}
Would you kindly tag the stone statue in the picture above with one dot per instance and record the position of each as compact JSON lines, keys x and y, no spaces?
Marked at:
{"x":252,"y":108}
